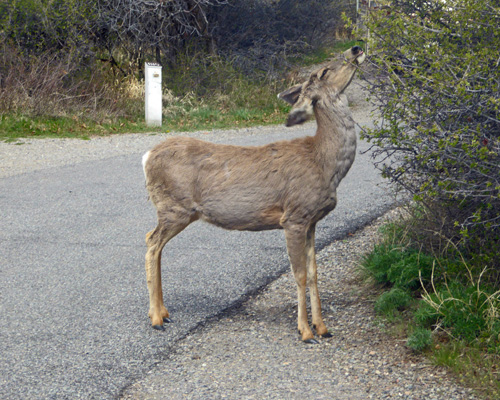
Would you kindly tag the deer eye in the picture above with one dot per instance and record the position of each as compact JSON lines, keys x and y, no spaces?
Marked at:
{"x":323,"y":73}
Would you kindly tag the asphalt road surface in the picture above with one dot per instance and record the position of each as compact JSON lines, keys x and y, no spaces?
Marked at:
{"x":73,"y":296}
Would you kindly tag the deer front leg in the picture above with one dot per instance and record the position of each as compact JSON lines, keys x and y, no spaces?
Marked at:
{"x":296,"y":246}
{"x":312,"y":283}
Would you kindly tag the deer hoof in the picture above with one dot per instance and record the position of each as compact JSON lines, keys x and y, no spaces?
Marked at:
{"x":326,"y":335}
{"x":167,"y":320}
{"x":159,"y":327}
{"x":311,"y":341}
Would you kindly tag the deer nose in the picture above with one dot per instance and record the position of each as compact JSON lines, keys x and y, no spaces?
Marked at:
{"x":356,"y":49}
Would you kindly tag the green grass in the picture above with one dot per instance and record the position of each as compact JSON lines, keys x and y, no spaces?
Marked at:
{"x":471,"y":365}
{"x":445,"y":306}
{"x":209,"y":117}
{"x":15,"y":126}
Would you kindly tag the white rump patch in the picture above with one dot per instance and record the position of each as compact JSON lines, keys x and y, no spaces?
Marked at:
{"x":361,"y":58}
{"x":144,"y":161}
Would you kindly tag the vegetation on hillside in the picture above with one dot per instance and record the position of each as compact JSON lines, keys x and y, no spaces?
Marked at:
{"x":435,"y":75}
{"x":77,"y":65}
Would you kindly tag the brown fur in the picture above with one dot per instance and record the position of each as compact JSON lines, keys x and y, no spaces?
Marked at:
{"x":286,"y":185}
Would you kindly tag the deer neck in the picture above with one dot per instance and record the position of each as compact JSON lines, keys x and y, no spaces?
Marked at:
{"x":335,"y":138}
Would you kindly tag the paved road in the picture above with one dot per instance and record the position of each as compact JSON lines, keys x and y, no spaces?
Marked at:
{"x":73,"y":297}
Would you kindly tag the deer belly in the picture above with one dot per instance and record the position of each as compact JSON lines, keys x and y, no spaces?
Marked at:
{"x":241,"y":212}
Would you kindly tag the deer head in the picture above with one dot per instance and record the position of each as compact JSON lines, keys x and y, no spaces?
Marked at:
{"x":330,"y":80}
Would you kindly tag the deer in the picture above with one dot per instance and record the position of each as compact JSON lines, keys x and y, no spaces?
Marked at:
{"x":288,"y":185}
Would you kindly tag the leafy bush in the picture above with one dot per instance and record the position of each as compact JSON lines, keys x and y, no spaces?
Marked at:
{"x":436,"y":77}
{"x":420,"y":339}
{"x":445,"y":293}
{"x":399,"y":266}
{"x":394,"y":300}
{"x":467,"y":311}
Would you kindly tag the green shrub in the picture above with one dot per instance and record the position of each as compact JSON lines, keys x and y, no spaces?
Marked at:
{"x":420,"y":339}
{"x":466,"y":311}
{"x":425,"y":315}
{"x":378,"y":262}
{"x":436,"y":76}
{"x":447,"y":293}
{"x":394,"y":300}
{"x":392,"y":265}
{"x":407,"y":272}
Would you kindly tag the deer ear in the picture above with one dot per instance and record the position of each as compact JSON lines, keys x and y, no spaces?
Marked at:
{"x":291,"y":94}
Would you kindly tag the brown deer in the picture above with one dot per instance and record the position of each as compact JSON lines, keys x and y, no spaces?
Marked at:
{"x":287,"y":185}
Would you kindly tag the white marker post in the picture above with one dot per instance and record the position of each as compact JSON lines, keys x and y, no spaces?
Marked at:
{"x":153,"y":94}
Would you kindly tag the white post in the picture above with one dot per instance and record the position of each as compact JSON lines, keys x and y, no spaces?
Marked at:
{"x":153,"y":94}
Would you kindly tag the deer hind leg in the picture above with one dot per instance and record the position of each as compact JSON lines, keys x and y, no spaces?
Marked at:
{"x":155,"y":241}
{"x":312,"y":283}
{"x":296,"y":246}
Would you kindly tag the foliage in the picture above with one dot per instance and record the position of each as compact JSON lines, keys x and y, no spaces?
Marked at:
{"x":83,"y":59}
{"x":452,"y":294}
{"x":266,"y":35}
{"x":36,"y":26}
{"x":436,"y":77}
{"x":454,"y":313}
{"x":394,"y":299}
{"x":402,"y":267}
{"x":469,"y":311}
{"x":420,"y":339}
